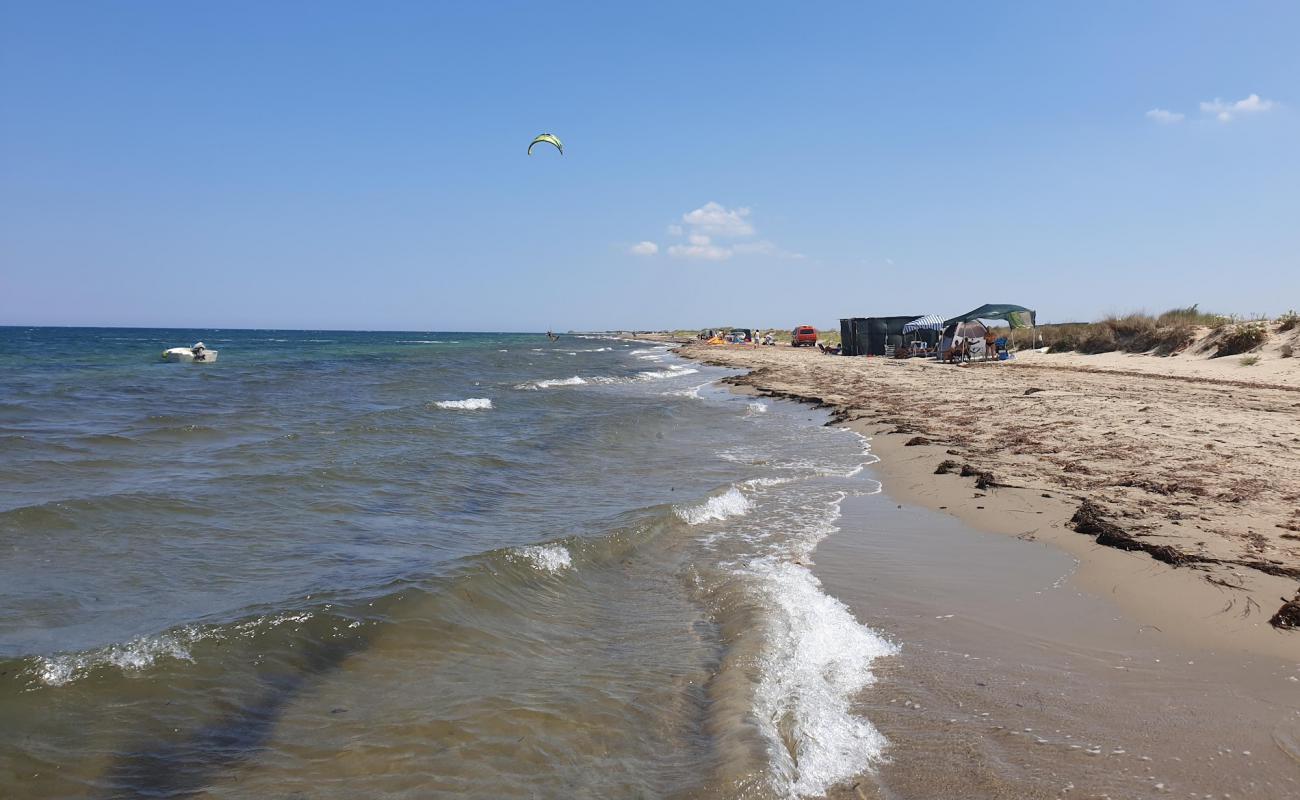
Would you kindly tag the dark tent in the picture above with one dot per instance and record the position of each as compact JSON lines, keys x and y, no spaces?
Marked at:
{"x":847,"y":339}
{"x":867,"y":336}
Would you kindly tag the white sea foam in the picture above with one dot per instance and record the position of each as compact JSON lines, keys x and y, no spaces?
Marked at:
{"x":574,"y":381}
{"x":421,"y":341}
{"x":693,"y":392}
{"x":816,"y":659}
{"x":731,"y":503}
{"x":765,"y":482}
{"x":756,"y":408}
{"x":546,"y":557}
{"x":137,"y":654}
{"x":472,"y":404}
{"x":819,"y":657}
{"x":672,"y":372}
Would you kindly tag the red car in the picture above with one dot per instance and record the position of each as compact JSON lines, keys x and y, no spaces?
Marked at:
{"x":803,"y":335}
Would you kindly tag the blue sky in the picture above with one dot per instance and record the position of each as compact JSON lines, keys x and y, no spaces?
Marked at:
{"x":361,"y":165}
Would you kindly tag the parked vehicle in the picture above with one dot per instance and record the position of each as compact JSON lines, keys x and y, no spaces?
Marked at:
{"x":803,"y":336}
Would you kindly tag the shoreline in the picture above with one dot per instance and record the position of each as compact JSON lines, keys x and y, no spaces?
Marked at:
{"x":1034,"y":662}
{"x":1212,"y":595}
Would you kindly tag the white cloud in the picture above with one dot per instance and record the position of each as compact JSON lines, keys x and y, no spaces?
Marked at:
{"x":706,"y":252}
{"x":717,"y":220}
{"x":643,"y":249}
{"x":1224,"y":112}
{"x":1165,"y":117}
{"x":703,"y":227}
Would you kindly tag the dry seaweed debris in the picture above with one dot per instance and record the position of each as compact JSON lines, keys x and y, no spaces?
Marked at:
{"x":1091,"y":520}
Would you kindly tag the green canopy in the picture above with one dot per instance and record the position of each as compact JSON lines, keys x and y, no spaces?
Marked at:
{"x":1016,"y":316}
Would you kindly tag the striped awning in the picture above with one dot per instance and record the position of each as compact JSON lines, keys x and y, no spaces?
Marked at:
{"x":930,"y":322}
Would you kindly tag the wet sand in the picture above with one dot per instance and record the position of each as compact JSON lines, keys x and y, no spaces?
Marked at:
{"x":1014,"y":681}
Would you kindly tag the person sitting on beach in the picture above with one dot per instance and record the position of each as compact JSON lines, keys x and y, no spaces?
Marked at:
{"x":959,"y":350}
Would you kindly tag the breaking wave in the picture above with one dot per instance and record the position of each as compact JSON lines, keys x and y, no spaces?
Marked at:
{"x":138,"y":654}
{"x":731,"y":503}
{"x":574,"y":381}
{"x":693,"y":392}
{"x":143,"y":652}
{"x":819,"y":659}
{"x":472,"y":404}
{"x":545,"y":557}
{"x":671,"y":372}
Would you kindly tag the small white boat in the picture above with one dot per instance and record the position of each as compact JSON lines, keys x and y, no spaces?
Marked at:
{"x":199,"y":352}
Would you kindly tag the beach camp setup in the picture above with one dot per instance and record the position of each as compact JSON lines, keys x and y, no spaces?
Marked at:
{"x":924,"y":334}
{"x":871,"y":336}
{"x":970,"y":326}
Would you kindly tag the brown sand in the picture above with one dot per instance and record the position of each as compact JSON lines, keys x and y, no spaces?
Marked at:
{"x":1193,"y":465}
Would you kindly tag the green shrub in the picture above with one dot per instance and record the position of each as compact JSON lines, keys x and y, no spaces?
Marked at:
{"x":1288,"y":320}
{"x":1193,"y":316}
{"x":1242,"y":338}
{"x":1171,"y":338}
{"x":1132,"y":333}
{"x":1249,"y":361}
{"x":1099,"y":338}
{"x":1063,"y":343}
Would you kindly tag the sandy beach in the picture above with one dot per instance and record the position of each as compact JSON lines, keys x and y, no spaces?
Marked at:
{"x":1191,"y":467}
{"x":1026,"y":635}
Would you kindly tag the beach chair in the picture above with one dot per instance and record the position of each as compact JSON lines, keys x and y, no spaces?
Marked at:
{"x":997,"y":349}
{"x":889,"y":351}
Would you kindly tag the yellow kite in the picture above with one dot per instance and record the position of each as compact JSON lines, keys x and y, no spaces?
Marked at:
{"x":549,"y":138}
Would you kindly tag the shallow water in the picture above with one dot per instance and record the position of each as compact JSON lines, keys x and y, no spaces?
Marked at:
{"x":416,"y":565}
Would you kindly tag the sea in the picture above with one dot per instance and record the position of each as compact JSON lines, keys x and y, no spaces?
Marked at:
{"x":417,"y":565}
